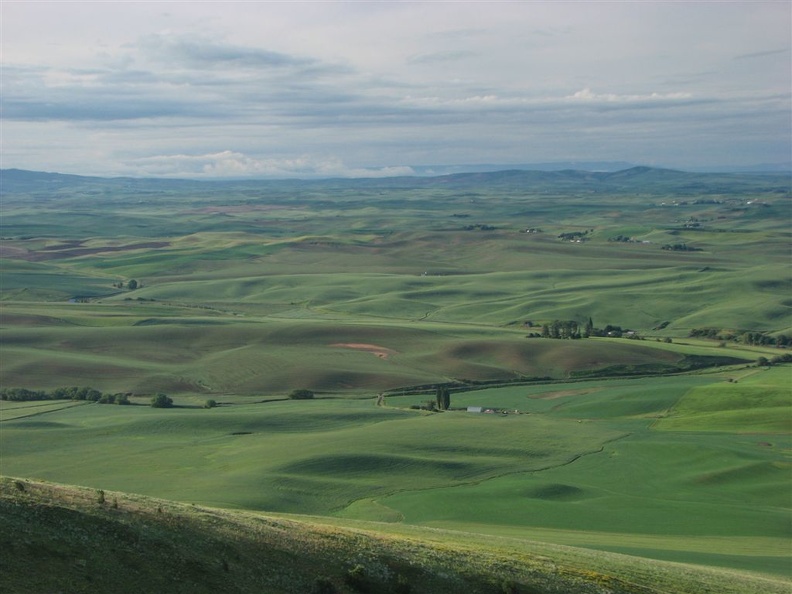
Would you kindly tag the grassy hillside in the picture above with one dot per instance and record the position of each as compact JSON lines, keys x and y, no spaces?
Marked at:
{"x":141,"y":544}
{"x":659,"y":445}
{"x":601,"y":464}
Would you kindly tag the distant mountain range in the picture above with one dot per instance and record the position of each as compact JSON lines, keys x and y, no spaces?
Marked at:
{"x":635,"y":179}
{"x":604,"y":166}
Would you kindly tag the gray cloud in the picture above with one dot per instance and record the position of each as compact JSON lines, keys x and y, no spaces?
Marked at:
{"x":443,"y":56}
{"x":268,"y":89}
{"x":763,"y":54}
{"x":197,"y":52}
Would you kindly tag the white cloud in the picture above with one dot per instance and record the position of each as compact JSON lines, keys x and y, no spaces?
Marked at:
{"x":238,"y":165}
{"x":588,"y":95}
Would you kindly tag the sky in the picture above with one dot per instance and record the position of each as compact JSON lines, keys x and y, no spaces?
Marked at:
{"x":353,"y":89}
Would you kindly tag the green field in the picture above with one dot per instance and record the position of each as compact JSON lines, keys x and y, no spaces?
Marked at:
{"x":666,"y":447}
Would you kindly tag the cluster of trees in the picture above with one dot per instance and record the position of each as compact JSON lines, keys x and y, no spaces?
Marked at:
{"x":71,"y":393}
{"x":765,"y":362}
{"x":562,"y":329}
{"x":574,"y":235}
{"x":442,"y":398}
{"x":622,"y":239}
{"x":749,"y":337}
{"x":131,"y":285}
{"x":572,"y":329}
{"x":680,"y":247}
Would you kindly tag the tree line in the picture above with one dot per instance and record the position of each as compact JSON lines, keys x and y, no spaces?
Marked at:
{"x":749,"y":337}
{"x":85,"y":393}
{"x":572,"y":329}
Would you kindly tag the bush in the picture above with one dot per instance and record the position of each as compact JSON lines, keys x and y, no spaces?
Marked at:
{"x":210,"y":403}
{"x":402,"y":586}
{"x":323,"y":586}
{"x":161,"y":401}
{"x":356,"y":579}
{"x":301,"y":395}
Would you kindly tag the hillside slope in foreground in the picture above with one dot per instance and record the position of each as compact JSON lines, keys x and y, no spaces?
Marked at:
{"x":57,"y":538}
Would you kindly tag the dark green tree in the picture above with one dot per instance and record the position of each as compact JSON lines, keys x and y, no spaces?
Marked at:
{"x":301,"y":395}
{"x":132,"y":284}
{"x":589,"y":328}
{"x":161,"y":401}
{"x":442,"y":398}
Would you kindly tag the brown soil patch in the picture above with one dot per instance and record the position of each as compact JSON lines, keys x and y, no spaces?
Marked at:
{"x":379,"y":351}
{"x":562,"y":394}
{"x":14,"y":253}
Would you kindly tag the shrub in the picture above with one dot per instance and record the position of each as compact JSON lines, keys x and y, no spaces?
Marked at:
{"x":402,"y":586}
{"x":107,"y":399}
{"x":210,"y":403}
{"x":356,"y":579}
{"x":301,"y":395}
{"x":323,"y":586}
{"x":161,"y":401}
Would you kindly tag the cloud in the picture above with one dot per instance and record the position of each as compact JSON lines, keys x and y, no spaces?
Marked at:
{"x":588,"y":96}
{"x":196,"y":52}
{"x":233,"y":164}
{"x":442,"y":56}
{"x":271,"y":89}
{"x":763,"y":54}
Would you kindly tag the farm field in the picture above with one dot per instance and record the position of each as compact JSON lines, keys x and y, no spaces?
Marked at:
{"x":662,"y":443}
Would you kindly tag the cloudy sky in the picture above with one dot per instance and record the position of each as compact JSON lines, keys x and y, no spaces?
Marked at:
{"x":205,"y":89}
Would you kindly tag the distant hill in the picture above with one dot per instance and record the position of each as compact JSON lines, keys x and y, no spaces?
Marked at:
{"x":638,"y":179}
{"x":437,"y":170}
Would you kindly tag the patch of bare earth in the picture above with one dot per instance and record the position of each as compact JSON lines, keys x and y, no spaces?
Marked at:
{"x":378,"y":351}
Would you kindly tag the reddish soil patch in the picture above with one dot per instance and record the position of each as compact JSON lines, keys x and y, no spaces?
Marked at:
{"x":379,"y":351}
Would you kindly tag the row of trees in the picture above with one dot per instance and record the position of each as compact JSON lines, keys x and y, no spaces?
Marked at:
{"x":765,"y":362}
{"x":71,"y":393}
{"x":572,"y":329}
{"x":85,"y":394}
{"x":749,"y":337}
{"x":91,"y":395}
{"x":443,"y":398}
